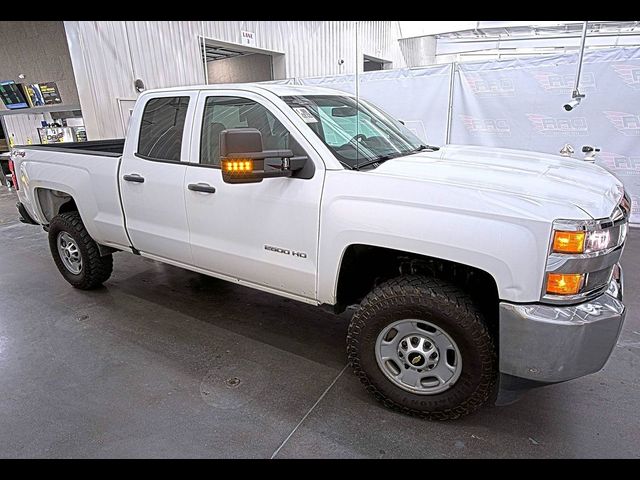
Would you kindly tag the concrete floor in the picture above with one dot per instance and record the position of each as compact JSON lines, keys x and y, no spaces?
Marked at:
{"x":162,"y":362}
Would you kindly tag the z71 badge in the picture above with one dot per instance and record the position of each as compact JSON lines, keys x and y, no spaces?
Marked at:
{"x":285,"y":251}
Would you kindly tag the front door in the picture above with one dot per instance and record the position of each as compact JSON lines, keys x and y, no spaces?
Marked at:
{"x":265,"y":233}
{"x":152,"y":177}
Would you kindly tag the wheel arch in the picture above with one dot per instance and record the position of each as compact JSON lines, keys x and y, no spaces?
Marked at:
{"x":363,"y":266}
{"x":51,"y":202}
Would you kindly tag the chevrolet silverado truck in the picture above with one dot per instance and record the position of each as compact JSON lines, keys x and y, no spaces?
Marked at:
{"x":474,"y":273}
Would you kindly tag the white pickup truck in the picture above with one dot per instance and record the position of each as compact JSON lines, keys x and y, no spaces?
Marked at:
{"x":475,"y":273}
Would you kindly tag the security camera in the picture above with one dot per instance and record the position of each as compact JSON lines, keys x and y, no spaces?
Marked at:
{"x":139,"y":85}
{"x":340,"y":62}
{"x":576,"y":97}
{"x":572,"y":104}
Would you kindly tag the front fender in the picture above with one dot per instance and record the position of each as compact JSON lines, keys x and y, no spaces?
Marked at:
{"x":511,"y":249}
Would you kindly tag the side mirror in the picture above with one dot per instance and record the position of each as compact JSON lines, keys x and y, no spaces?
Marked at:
{"x":244,"y":160}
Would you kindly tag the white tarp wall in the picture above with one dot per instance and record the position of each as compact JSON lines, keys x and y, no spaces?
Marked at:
{"x":419,"y":97}
{"x":518,"y":104}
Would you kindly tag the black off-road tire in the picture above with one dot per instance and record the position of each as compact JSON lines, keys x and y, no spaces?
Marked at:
{"x":95,"y":269}
{"x":442,"y":304}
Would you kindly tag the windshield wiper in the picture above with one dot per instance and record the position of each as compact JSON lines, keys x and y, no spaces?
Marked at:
{"x":379,"y":160}
{"x":383,"y":158}
{"x":350,"y":167}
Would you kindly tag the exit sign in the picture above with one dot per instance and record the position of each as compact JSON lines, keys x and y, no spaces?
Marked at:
{"x":247,"y":38}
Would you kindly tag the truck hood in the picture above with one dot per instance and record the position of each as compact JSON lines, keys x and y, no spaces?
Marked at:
{"x":539,"y":177}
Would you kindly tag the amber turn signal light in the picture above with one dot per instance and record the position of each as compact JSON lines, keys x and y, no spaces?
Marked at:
{"x":568,"y":242}
{"x":564,"y":283}
{"x":238,"y":166}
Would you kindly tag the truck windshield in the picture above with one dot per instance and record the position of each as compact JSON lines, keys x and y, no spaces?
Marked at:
{"x":359,"y":134}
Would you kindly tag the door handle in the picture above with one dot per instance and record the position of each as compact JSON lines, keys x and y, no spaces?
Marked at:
{"x":134,"y":177}
{"x":201,"y":187}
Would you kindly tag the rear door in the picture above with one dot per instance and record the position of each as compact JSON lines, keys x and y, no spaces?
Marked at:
{"x":152,"y":175}
{"x":264,"y":233}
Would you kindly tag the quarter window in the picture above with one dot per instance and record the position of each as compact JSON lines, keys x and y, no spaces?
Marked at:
{"x":162,"y":128}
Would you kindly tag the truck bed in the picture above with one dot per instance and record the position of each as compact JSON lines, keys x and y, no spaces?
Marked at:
{"x":86,"y":171}
{"x":108,"y":148}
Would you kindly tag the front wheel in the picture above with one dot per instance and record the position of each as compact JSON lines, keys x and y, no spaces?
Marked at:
{"x":421,"y":346}
{"x":76,"y":254}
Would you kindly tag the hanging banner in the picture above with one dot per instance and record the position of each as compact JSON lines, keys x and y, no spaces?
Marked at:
{"x":50,"y":93}
{"x":41,"y":94}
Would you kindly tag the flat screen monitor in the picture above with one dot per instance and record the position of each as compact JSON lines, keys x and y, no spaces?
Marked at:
{"x":12,"y":95}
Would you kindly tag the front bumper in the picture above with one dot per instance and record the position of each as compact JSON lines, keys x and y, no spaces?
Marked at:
{"x":543,"y":344}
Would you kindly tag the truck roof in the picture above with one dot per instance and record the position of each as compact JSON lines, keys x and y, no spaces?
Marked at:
{"x":277,"y":89}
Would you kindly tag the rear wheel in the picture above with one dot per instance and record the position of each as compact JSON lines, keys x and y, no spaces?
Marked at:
{"x":76,"y":254}
{"x":422,"y":347}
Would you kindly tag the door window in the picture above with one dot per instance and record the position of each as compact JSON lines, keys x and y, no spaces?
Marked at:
{"x":162,"y":127}
{"x":221,"y":113}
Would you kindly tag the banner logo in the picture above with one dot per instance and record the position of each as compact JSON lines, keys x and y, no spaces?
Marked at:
{"x":489,"y":87}
{"x":626,"y":123}
{"x":635,"y":205}
{"x":563,"y":84}
{"x":555,"y":126}
{"x":619,"y":164}
{"x":488,"y":126}
{"x":630,"y":74}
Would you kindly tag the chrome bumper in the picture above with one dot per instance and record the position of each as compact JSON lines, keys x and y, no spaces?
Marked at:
{"x":549,"y":344}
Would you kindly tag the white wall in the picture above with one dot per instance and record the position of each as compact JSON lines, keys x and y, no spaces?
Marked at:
{"x":419,"y":51}
{"x":108,"y":56}
{"x":420,"y":28}
{"x":23,"y":127}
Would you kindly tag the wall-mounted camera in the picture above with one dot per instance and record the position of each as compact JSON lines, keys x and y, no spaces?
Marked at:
{"x":572,"y":104}
{"x":576,"y":96}
{"x":590,"y":153}
{"x":139,"y":85}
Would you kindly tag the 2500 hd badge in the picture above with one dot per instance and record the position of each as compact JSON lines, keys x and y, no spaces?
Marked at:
{"x":285,"y":251}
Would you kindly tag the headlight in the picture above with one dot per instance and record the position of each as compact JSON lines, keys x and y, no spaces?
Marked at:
{"x":599,"y":240}
{"x":583,"y":241}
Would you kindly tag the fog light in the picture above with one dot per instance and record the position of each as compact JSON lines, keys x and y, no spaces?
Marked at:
{"x":564,"y":283}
